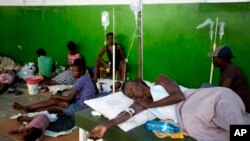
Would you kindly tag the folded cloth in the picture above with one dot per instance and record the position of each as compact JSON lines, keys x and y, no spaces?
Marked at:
{"x":55,"y":88}
{"x":8,"y":64}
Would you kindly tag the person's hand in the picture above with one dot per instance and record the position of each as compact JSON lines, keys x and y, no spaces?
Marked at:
{"x":106,"y":66}
{"x":138,"y":106}
{"x":13,"y":132}
{"x":63,"y":104}
{"x":144,"y":102}
{"x":97,"y":132}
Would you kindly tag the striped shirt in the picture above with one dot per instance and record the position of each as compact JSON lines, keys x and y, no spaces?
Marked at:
{"x":71,"y":58}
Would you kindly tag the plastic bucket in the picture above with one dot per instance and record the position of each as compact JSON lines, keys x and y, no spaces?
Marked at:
{"x":32,"y":83}
{"x":32,"y":88}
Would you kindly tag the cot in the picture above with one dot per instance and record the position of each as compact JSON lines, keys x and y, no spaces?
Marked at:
{"x":84,"y":120}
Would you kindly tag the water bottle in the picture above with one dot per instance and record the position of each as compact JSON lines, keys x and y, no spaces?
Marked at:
{"x":108,"y":68}
{"x":161,"y":126}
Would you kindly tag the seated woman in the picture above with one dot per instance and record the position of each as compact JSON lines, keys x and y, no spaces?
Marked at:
{"x":204,"y":107}
{"x":83,"y":90}
{"x":7,"y":78}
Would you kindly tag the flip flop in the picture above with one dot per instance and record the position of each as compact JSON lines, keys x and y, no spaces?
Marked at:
{"x":11,"y":90}
{"x":44,"y":89}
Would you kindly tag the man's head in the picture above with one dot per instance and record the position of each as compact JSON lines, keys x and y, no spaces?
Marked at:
{"x":32,"y":134}
{"x":221,"y":55}
{"x":109,"y":37}
{"x":135,"y":89}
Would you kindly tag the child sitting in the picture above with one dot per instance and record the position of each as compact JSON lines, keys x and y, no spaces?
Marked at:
{"x":45,"y":64}
{"x":72,"y":55}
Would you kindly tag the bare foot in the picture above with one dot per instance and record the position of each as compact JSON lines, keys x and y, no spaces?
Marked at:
{"x":20,"y":108}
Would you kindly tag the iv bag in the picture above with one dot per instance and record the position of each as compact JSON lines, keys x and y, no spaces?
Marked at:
{"x":221,"y":32}
{"x":135,"y":6}
{"x":211,"y":30}
{"x":205,"y":23}
{"x":105,"y":19}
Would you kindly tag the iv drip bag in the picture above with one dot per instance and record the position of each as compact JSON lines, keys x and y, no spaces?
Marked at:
{"x":135,"y":6}
{"x":221,"y":32}
{"x":105,"y":19}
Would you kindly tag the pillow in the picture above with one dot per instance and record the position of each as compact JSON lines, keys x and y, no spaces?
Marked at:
{"x":105,"y":105}
{"x":113,"y":104}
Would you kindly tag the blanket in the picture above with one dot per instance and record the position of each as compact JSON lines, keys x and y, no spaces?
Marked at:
{"x":7,"y":63}
{"x":207,"y":113}
{"x":9,"y":124}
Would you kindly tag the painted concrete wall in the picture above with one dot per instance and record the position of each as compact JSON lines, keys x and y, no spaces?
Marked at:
{"x":105,"y":2}
{"x":172,"y":44}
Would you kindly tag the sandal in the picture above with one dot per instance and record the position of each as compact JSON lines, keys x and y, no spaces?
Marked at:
{"x":18,"y":92}
{"x":11,"y":90}
{"x":44,"y":89}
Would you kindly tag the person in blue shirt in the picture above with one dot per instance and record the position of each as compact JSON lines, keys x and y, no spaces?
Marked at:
{"x":83,"y":90}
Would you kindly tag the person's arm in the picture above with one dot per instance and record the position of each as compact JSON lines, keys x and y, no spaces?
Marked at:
{"x":53,"y":66}
{"x":101,"y":53}
{"x":227,"y":77}
{"x":80,"y":57}
{"x":17,"y":131}
{"x":99,"y":131}
{"x":119,"y":47}
{"x":175,"y":93}
{"x":226,"y":83}
{"x":36,"y":66}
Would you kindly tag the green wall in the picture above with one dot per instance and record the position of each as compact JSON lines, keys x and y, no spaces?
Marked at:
{"x":172,"y":44}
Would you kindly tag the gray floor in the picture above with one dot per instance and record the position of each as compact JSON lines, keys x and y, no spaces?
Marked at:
{"x":6,"y":101}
